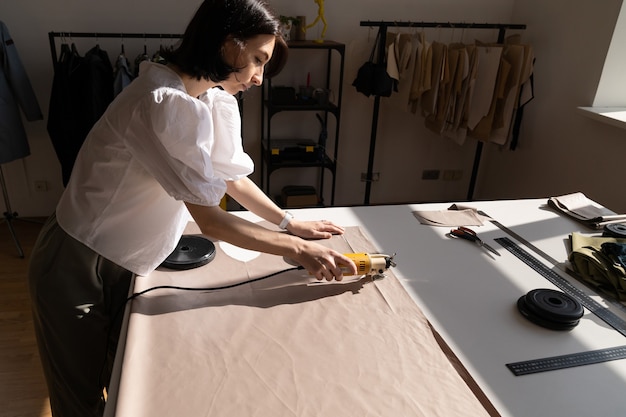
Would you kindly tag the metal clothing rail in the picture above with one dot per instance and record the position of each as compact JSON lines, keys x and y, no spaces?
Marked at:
{"x":382,"y":30}
{"x":53,"y":35}
{"x":120,"y":35}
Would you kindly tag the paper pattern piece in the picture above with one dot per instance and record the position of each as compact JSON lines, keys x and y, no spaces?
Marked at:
{"x":465,"y":217}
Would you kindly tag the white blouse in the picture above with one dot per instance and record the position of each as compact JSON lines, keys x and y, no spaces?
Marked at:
{"x":155,"y":148}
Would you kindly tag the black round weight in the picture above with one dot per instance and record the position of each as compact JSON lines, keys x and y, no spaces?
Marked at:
{"x":554,"y":305}
{"x":190,"y":252}
{"x":551,"y":309}
{"x":617,"y":230}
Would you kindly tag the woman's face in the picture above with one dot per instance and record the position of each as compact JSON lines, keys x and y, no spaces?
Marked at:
{"x":250,"y":61}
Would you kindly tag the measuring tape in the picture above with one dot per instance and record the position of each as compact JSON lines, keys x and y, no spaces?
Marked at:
{"x":574,"y":359}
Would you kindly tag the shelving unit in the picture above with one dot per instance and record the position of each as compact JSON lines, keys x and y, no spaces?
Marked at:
{"x":315,"y":153}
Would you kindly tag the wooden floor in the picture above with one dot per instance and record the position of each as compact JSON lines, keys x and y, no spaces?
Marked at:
{"x":23,"y":390}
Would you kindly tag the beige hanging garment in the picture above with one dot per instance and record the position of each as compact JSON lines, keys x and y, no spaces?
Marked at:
{"x":488,"y":93}
{"x":420,"y":81}
{"x":456,"y":125}
{"x":435,"y":122}
{"x":404,"y":56}
{"x":483,"y":129}
{"x":429,"y":98}
{"x":459,"y":71}
{"x":526,"y":90}
{"x":414,"y":93}
{"x":404,"y":53}
{"x":525,"y":93}
{"x":527,"y":66}
{"x":506,"y":103}
{"x":488,"y":63}
{"x":392,"y":58}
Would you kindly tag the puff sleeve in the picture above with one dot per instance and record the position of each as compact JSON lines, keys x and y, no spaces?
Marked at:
{"x":190,"y":146}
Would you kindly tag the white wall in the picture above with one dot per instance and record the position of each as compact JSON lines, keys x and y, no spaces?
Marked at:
{"x":612,"y":88}
{"x":404,"y":146}
{"x":562,"y":151}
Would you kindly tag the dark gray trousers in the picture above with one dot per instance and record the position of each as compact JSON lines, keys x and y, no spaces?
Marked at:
{"x":78,"y":300}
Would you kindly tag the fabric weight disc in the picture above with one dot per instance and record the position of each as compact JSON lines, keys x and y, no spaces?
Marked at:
{"x":617,"y":230}
{"x":191,"y":252}
{"x":554,"y":305}
{"x":522,"y":306}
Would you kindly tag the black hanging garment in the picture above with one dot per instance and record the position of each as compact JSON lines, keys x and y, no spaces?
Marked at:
{"x":15,"y":92}
{"x":81,"y":91}
{"x":372,"y":77}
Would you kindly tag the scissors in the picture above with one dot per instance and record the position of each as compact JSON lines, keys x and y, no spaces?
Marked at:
{"x":469,"y":234}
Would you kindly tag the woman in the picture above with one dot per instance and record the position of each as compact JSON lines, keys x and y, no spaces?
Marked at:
{"x":168,"y":144}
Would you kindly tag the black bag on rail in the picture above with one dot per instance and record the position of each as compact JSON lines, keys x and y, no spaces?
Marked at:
{"x":372,"y":77}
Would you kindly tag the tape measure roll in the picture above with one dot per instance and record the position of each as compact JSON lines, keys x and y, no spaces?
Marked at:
{"x":617,"y":230}
{"x":550,"y":309}
{"x":190,"y":252}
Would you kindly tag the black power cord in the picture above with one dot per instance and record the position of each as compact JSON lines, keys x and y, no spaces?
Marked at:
{"x":223,"y":287}
{"x":175,"y":287}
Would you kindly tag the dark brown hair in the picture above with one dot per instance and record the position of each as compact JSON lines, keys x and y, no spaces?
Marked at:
{"x":200,"y":52}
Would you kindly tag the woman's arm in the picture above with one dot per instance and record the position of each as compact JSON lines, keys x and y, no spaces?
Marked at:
{"x":246,"y":193}
{"x":252,"y":198}
{"x":319,"y":261}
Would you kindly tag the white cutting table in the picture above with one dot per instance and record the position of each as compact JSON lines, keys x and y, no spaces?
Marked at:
{"x":470,"y":298}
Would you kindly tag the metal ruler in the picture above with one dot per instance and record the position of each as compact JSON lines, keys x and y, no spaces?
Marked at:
{"x":616,"y":304}
{"x":573,"y":359}
{"x":596,"y":308}
{"x":567,"y":361}
{"x":519,"y":238}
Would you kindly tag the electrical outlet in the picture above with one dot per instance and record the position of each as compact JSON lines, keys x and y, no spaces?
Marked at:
{"x":430,"y":174}
{"x":452,"y":174}
{"x":41,"y":185}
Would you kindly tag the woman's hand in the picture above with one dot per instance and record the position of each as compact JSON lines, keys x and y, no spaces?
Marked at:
{"x":319,"y":229}
{"x":324,"y":263}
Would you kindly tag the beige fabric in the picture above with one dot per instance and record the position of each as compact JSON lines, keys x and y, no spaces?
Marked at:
{"x":582,"y":209}
{"x":285,"y":346}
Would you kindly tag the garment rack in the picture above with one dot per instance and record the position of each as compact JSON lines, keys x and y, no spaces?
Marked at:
{"x":121,"y":35}
{"x":53,"y":35}
{"x":382,"y":30}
